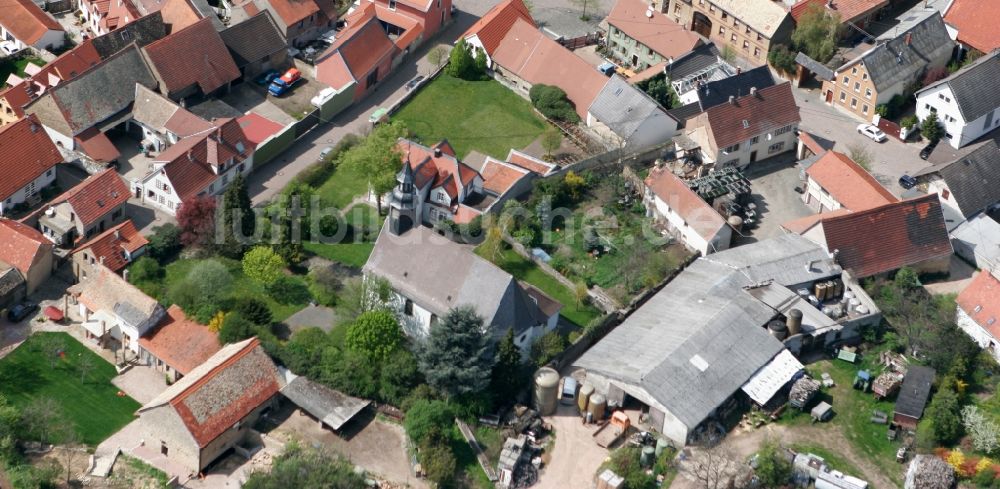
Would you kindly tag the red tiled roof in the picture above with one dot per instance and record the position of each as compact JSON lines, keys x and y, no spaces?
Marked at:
{"x":96,"y":145}
{"x":771,"y":108}
{"x":188,"y":164}
{"x":465,"y":214}
{"x":976,"y":23}
{"x":21,"y":246}
{"x":810,"y":141}
{"x":439,"y":170}
{"x":848,"y":183}
{"x":657,"y":32}
{"x":848,"y":10}
{"x":193,"y":55}
{"x":669,"y":188}
{"x":492,"y":27}
{"x":109,"y":246}
{"x":889,"y":237}
{"x":803,"y":224}
{"x":96,"y":196}
{"x":117,"y":12}
{"x":26,"y":21}
{"x":529,"y":162}
{"x":499,"y":177}
{"x":293,"y":11}
{"x":532,"y":56}
{"x":224,"y":390}
{"x":257,"y":127}
{"x":364,"y":43}
{"x":333,"y":71}
{"x":27,"y":153}
{"x":981,"y":301}
{"x":181,"y":343}
{"x":65,"y":67}
{"x":178,"y":14}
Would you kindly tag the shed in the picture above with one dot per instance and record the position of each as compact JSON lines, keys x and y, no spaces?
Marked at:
{"x":822,"y":412}
{"x":913,"y":396}
{"x":330,"y":407}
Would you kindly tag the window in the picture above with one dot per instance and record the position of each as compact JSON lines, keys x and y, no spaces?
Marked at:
{"x":760,"y":37}
{"x":239,"y":147}
{"x":732,"y":149}
{"x":854,"y":102}
{"x":947,"y":135}
{"x":408,"y":307}
{"x":756,"y":52}
{"x":755,"y":140}
{"x":711,"y":8}
{"x":736,"y":23}
{"x":846,"y":80}
{"x":944,"y":195}
{"x":864,"y":76}
{"x":392,"y":4}
{"x":868,"y":93}
{"x":116,"y":214}
{"x":372,"y":78}
{"x":677,"y":8}
{"x":722,"y":31}
{"x":241,"y":167}
{"x":149,"y":194}
{"x":864,"y":109}
{"x":211,"y":187}
{"x":725,"y":16}
{"x":843,"y":96}
{"x":748,"y":30}
{"x":857,"y":86}
{"x":126,"y":35}
{"x":733,"y":37}
{"x":774,"y":148}
{"x":48,"y":173}
{"x":746,"y":45}
{"x":854,"y":71}
{"x":783,"y":130}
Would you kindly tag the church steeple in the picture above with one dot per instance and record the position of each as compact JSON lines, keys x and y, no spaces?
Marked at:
{"x":402,"y":203}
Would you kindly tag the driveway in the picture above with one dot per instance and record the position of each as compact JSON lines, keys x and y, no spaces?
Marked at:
{"x":575,"y":456}
{"x":772,"y":183}
{"x":248,"y":97}
{"x":891,"y":159}
{"x":141,"y":383}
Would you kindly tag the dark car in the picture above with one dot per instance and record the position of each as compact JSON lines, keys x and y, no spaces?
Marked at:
{"x":266,"y":78}
{"x":17,"y":313}
{"x":410,"y":85}
{"x":907,"y":182}
{"x":926,"y":152}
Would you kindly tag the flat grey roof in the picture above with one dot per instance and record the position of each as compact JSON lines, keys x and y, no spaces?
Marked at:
{"x":333,"y":408}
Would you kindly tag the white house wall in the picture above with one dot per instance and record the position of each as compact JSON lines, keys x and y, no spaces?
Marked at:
{"x":741,"y":157}
{"x":689,"y":236}
{"x":672,"y":427}
{"x":818,"y":199}
{"x":977,"y":333}
{"x":40,"y":182}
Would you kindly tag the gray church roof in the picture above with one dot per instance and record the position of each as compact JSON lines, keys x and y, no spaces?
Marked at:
{"x":439,"y":275}
{"x":976,"y":87}
{"x":699,"y":339}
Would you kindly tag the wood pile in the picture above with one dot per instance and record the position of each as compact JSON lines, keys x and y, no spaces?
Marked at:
{"x":887,"y":384}
{"x":803,"y":391}
{"x":929,"y":472}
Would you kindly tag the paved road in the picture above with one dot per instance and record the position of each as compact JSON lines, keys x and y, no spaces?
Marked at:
{"x":890,"y":159}
{"x":269,"y":179}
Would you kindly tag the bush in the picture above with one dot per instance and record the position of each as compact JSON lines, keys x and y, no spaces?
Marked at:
{"x":289,"y":290}
{"x":930,"y":128}
{"x":164,"y":242}
{"x":236,"y":328}
{"x":324,"y":284}
{"x":424,"y":417}
{"x":909,"y":122}
{"x":262,"y":265}
{"x":210,"y":279}
{"x":547,"y":348}
{"x":145,"y":269}
{"x":553,"y":103}
{"x":461,"y":63}
{"x":375,"y":334}
{"x":439,"y":463}
{"x":782,"y":58}
{"x":253,"y":310}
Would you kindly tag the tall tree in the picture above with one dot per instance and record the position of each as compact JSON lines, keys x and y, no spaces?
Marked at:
{"x":196,"y":219}
{"x":816,"y":33}
{"x":456,"y":357}
{"x":237,"y":217}
{"x":583,"y":4}
{"x":462,"y":64}
{"x":378,"y":157}
{"x":509,"y":371}
{"x":263,"y":265}
{"x":437,"y":57}
{"x":551,"y":140}
{"x":944,"y":413}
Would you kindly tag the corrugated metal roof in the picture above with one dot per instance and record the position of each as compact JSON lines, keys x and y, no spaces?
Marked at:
{"x":769,"y":380}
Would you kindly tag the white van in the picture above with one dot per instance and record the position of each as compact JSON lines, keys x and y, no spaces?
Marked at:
{"x":569,"y":390}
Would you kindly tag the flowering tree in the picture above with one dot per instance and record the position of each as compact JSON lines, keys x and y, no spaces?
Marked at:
{"x":984,"y":432}
{"x":196,"y":219}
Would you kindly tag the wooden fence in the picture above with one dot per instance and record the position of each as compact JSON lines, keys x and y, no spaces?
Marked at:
{"x":578,"y":42}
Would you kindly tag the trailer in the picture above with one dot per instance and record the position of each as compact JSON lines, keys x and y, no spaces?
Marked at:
{"x":612,"y":431}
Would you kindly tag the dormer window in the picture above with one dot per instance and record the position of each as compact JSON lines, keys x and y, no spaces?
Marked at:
{"x":239,"y":147}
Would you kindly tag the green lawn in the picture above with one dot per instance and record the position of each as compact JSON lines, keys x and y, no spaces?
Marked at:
{"x":354,"y":251}
{"x":241,"y":287}
{"x":92,"y":406}
{"x":466,"y":463}
{"x":343,"y":185}
{"x":523,"y":269}
{"x":8,"y":67}
{"x":484,"y":116}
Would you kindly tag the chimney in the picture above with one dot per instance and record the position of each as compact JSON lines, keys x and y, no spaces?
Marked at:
{"x":34,"y":127}
{"x":118,"y":234}
{"x":437,"y":152}
{"x":908,"y":39}
{"x":753,"y":91}
{"x":834,"y":254}
{"x":732,"y":100}
{"x":102,"y":260}
{"x":125,"y":274}
{"x":190,"y":155}
{"x":739,"y":70}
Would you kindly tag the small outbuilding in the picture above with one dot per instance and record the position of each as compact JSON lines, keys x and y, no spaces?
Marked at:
{"x":330,"y":407}
{"x":913,"y":396}
{"x":822,"y":412}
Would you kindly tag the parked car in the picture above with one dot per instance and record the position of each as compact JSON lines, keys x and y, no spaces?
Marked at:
{"x":8,"y":48}
{"x":266,"y":78}
{"x":872,"y":132}
{"x":281,"y":85}
{"x":926,"y":152}
{"x":607,"y":69}
{"x":569,"y":391}
{"x":325,"y":153}
{"x":323,"y":97}
{"x":21,"y":311}
{"x":410,"y":85}
{"x":907,"y":182}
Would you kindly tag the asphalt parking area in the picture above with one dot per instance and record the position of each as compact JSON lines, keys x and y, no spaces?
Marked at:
{"x":772,"y":183}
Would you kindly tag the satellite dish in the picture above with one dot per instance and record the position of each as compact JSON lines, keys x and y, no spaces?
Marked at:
{"x":649,"y":12}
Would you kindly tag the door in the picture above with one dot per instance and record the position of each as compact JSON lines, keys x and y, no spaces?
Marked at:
{"x":829,"y":96}
{"x":701,"y":24}
{"x":753,"y":156}
{"x":635,"y":60}
{"x":163,"y":448}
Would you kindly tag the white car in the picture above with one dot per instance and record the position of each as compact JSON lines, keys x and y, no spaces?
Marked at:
{"x":872,"y":132}
{"x":8,"y":48}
